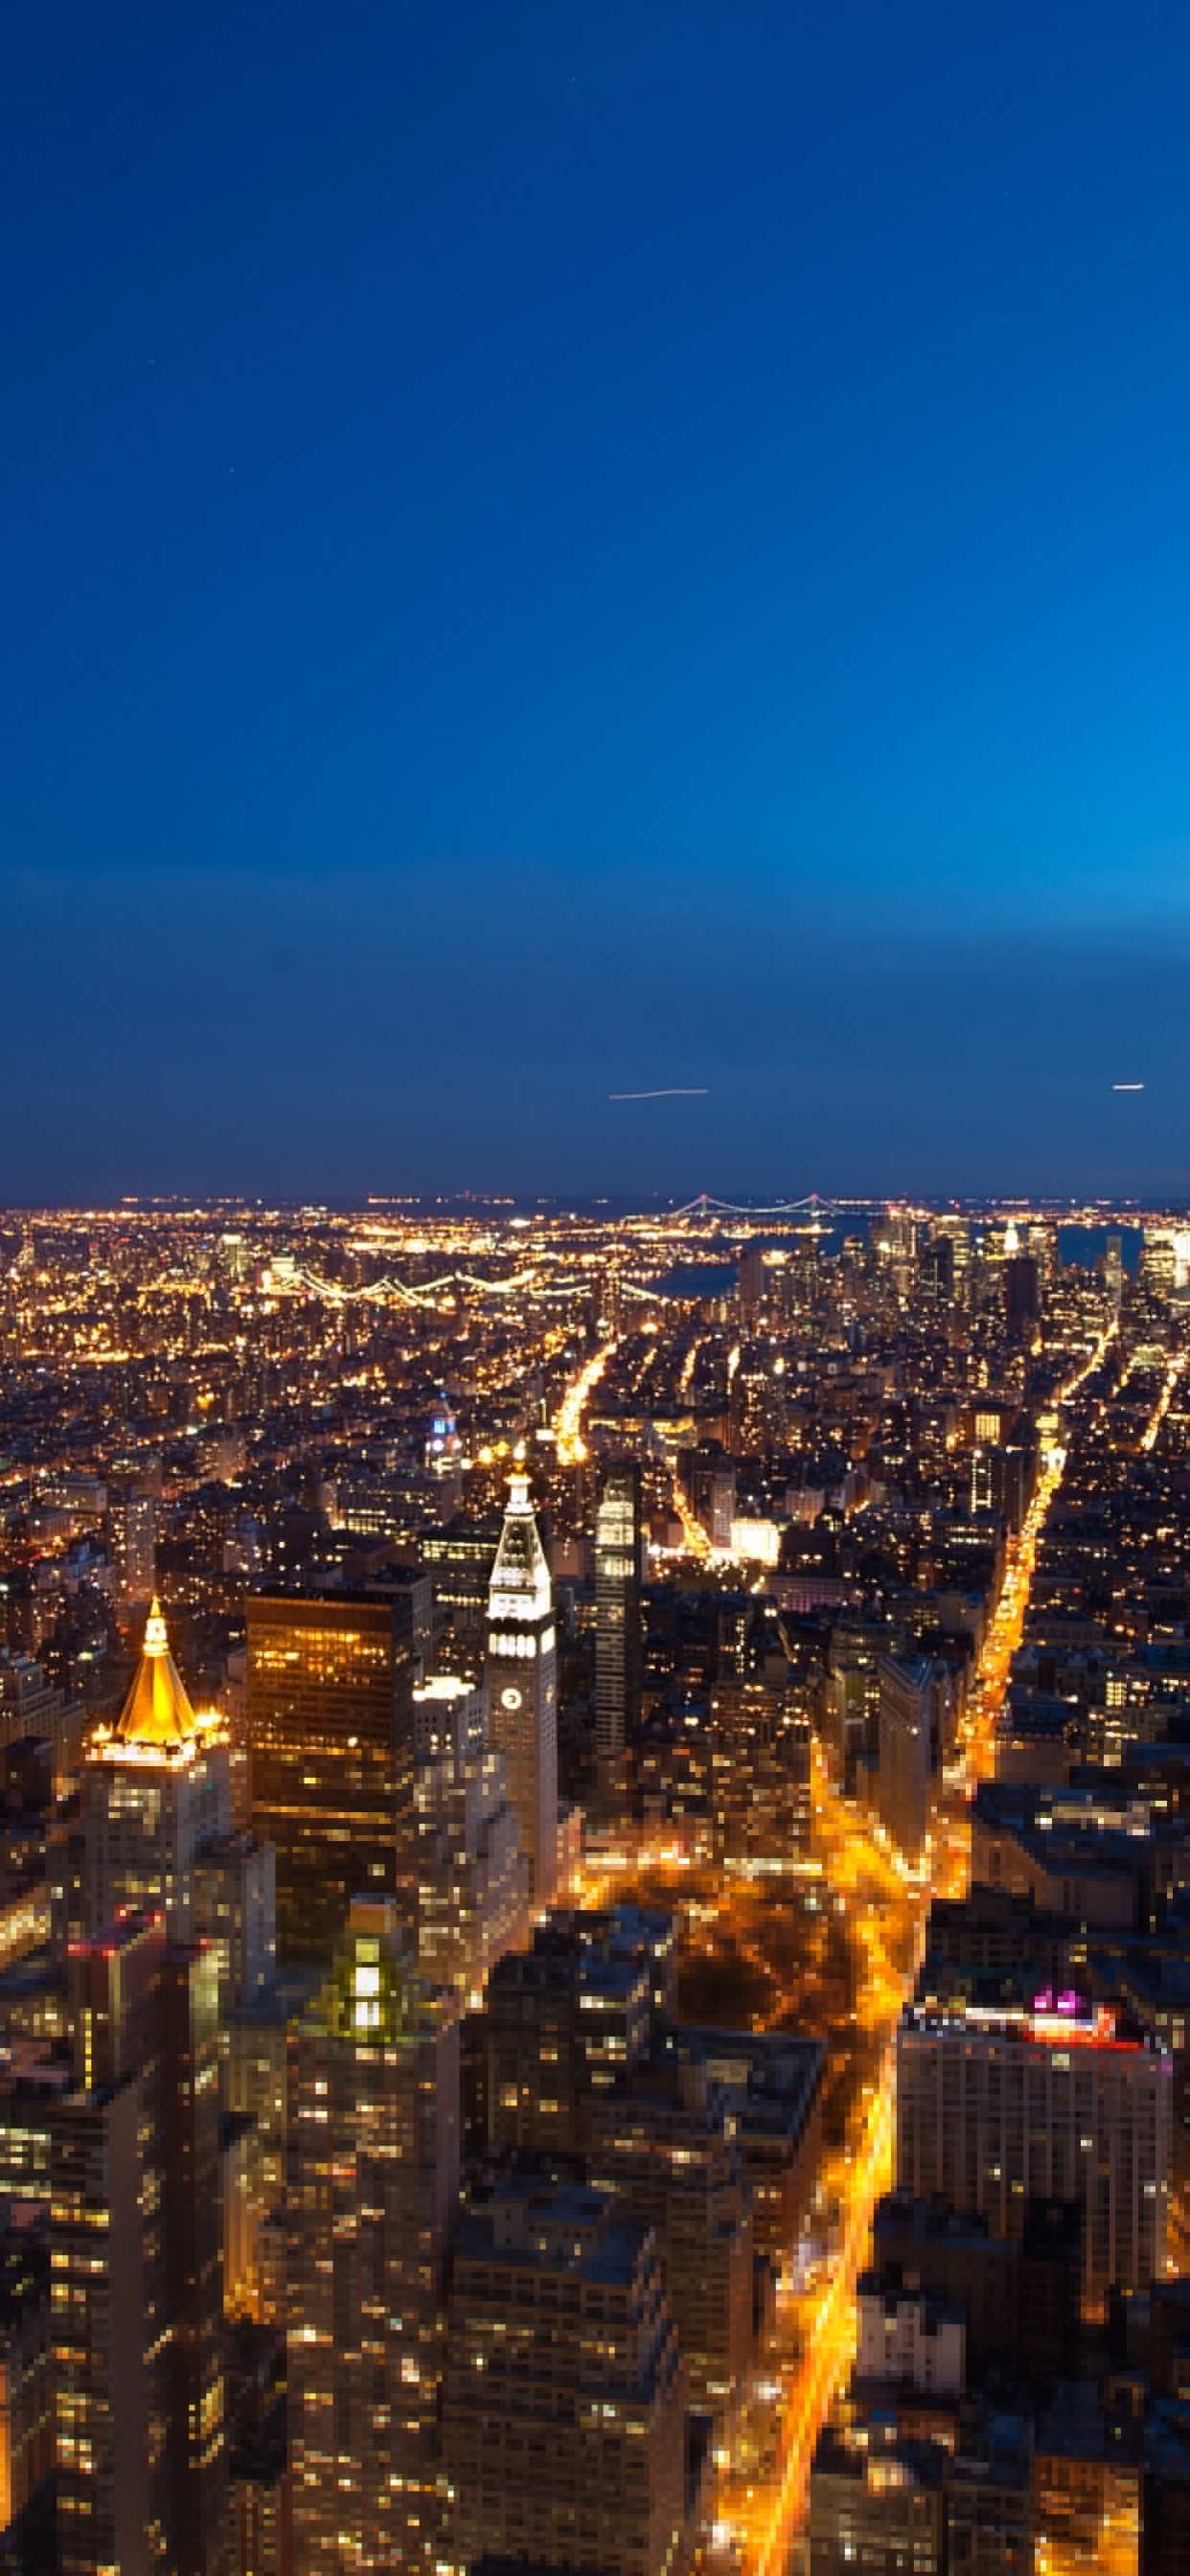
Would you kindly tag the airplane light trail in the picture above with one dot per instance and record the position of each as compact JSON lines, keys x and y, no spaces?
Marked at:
{"x":672,"y":1091}
{"x":1127,"y":1086}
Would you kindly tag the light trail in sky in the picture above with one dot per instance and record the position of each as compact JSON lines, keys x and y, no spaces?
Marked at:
{"x":671,"y":1091}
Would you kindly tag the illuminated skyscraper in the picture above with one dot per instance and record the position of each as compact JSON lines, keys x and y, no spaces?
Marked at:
{"x":375,"y":2165}
{"x":136,"y":2243}
{"x":132,"y":1538}
{"x":156,"y":1790}
{"x":617,"y":1625}
{"x":522,"y":1686}
{"x":330,"y":1732}
{"x":472,"y":1876}
{"x":750,"y":1285}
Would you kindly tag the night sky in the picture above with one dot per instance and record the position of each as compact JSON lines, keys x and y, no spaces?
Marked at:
{"x":550,"y":549}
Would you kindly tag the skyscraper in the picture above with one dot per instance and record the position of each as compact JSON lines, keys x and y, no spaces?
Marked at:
{"x":132,"y":1538}
{"x":1020,"y":1293}
{"x":156,"y":1789}
{"x":522,"y":1686}
{"x":137,"y":2261}
{"x":472,"y":1876}
{"x":375,"y":2170}
{"x":330,"y":1732}
{"x":617,"y":1625}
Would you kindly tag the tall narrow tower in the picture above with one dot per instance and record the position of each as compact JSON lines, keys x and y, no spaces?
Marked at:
{"x":617,"y":1625}
{"x":522,"y":1687}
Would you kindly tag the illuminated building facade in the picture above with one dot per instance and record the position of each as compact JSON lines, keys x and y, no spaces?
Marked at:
{"x":444,"y":1453}
{"x":761,"y":1743}
{"x":26,"y":2383}
{"x":136,"y":2234}
{"x":664,"y":2141}
{"x":522,"y":1687}
{"x":459,"y":1561}
{"x":617,"y":1625}
{"x":375,"y":2167}
{"x":908,"y":2334}
{"x":472,"y":1876}
{"x":156,"y":1790}
{"x":132,"y":1538}
{"x":996,"y":2107}
{"x":876,"y":2504}
{"x":564,"y":2413}
{"x":235,"y":1910}
{"x":771,"y":2084}
{"x":565,"y":2019}
{"x":330,"y":1732}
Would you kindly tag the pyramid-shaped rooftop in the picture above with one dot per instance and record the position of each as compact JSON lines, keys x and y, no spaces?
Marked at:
{"x":157,"y":1710}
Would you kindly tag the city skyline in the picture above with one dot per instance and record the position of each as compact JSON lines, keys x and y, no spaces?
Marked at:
{"x":595,"y":1289}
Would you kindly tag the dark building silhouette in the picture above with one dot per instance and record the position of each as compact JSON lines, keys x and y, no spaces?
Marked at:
{"x":1020,"y":1293}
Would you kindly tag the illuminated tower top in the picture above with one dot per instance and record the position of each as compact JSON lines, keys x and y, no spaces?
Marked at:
{"x":520,"y":1586}
{"x":522,"y":1685}
{"x":157,"y":1710}
{"x":156,"y":1794}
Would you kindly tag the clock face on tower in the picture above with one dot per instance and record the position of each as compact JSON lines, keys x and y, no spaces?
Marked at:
{"x":510,"y":1698}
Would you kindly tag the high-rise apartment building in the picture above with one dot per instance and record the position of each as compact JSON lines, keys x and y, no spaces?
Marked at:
{"x":995,"y":2107}
{"x":564,"y":2414}
{"x":330,"y":1733}
{"x":132,"y":1539}
{"x":522,"y":1687}
{"x":375,"y":2168}
{"x":617,"y":1625}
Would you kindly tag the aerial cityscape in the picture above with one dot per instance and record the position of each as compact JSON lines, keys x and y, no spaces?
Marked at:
{"x":596,"y":1887}
{"x":594,"y":1288}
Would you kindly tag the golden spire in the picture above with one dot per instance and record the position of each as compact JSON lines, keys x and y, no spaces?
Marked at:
{"x":157,"y":1710}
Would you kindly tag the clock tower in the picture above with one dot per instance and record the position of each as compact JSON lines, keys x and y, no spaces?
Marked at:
{"x":523,"y":1688}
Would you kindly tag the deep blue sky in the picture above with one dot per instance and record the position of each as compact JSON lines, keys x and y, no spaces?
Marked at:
{"x":552,"y":548}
